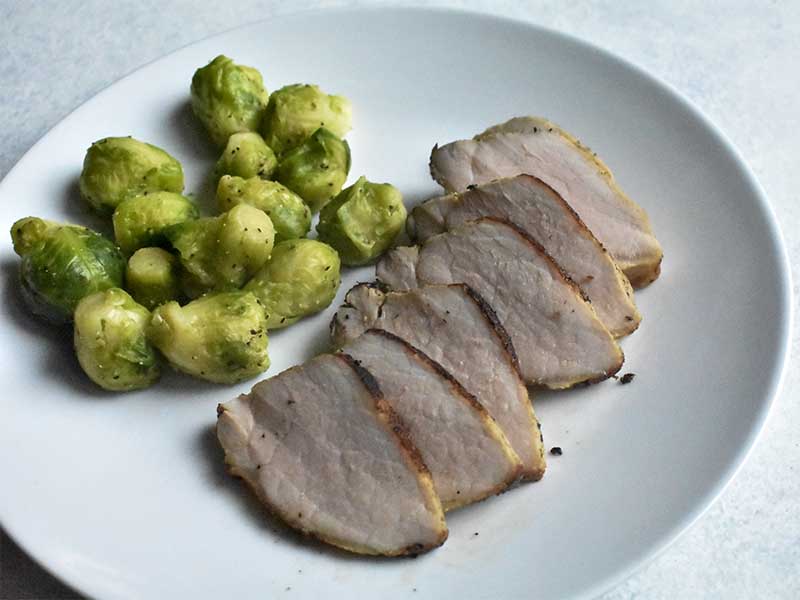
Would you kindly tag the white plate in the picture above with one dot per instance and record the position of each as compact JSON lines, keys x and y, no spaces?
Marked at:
{"x":125,"y":496}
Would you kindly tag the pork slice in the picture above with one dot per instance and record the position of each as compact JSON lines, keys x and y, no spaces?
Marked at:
{"x":466,"y":451}
{"x":542,"y":213}
{"x":325,"y":452}
{"x":558,"y":338}
{"x":453,"y":326}
{"x":538,"y":147}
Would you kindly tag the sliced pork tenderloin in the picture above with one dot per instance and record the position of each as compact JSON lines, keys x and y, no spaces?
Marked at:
{"x":453,"y":326}
{"x":542,"y":213}
{"x":538,"y":147}
{"x":325,"y":452}
{"x":466,"y":451}
{"x":558,"y":337}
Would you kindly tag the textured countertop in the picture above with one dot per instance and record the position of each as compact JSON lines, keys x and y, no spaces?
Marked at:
{"x":737,"y":60}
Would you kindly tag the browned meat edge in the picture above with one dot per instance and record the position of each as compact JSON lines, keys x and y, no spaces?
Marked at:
{"x":581,"y":225}
{"x":495,"y":323}
{"x":538,"y":248}
{"x":458,"y":389}
{"x":400,"y":433}
{"x":643,"y":275}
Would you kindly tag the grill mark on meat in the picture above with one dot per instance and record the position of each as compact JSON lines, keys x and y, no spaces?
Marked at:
{"x":386,"y":420}
{"x":491,"y":316}
{"x":459,"y":390}
{"x":543,"y":208}
{"x":415,"y":302}
{"x":385,"y":409}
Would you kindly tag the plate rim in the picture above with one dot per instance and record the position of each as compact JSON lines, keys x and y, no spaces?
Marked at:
{"x":779,"y":250}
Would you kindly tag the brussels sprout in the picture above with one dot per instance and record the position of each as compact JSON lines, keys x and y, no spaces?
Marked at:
{"x":111,"y":342}
{"x":362,"y":221}
{"x":28,"y":232}
{"x":222,"y":253}
{"x":246,"y":155}
{"x":153,"y":277}
{"x":228,"y":98}
{"x":116,"y":168}
{"x":316,"y":169}
{"x":140,"y":221}
{"x":300,"y":279}
{"x":220,"y":337}
{"x":63,"y":263}
{"x":296,"y":111}
{"x":289,"y":214}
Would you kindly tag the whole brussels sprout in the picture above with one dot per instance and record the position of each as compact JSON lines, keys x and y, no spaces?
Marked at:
{"x":140,"y":221}
{"x":116,"y":168}
{"x":296,"y":111}
{"x":153,"y":277}
{"x":63,"y":263}
{"x":362,"y":221}
{"x":300,"y":279}
{"x":222,"y":253}
{"x":246,"y":155}
{"x":111,"y":342}
{"x":316,"y":169}
{"x":228,"y":98}
{"x":220,"y":337}
{"x":287,"y":211}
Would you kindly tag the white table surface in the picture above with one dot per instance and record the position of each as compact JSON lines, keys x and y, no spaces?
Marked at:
{"x":737,"y":60}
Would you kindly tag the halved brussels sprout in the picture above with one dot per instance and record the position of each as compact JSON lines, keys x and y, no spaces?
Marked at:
{"x":246,"y":155}
{"x":316,"y":169}
{"x":153,"y":277}
{"x":63,"y":263}
{"x":296,"y":111}
{"x":117,"y":168}
{"x":362,"y":221}
{"x":221,"y":337}
{"x":228,"y":98}
{"x":287,"y":211}
{"x":300,"y":279}
{"x":111,"y":342}
{"x":222,"y":253}
{"x":140,"y":221}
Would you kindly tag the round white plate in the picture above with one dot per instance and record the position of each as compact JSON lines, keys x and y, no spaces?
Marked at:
{"x":125,"y":496}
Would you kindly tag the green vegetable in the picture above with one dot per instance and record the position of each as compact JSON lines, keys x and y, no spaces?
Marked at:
{"x":28,"y":232}
{"x":153,"y":277}
{"x":296,"y":111}
{"x":287,"y":211}
{"x":246,"y":155}
{"x":140,"y":221}
{"x":63,"y":263}
{"x":300,"y":279}
{"x":362,"y":221}
{"x":222,"y":253}
{"x":117,"y":168}
{"x":110,"y":341}
{"x":220,"y":337}
{"x":316,"y":169}
{"x":228,"y":98}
